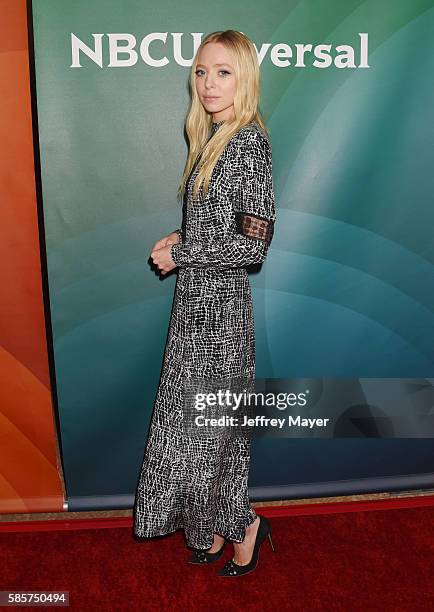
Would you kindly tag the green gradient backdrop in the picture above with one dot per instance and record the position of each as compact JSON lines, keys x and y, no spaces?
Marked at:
{"x":347,"y":289}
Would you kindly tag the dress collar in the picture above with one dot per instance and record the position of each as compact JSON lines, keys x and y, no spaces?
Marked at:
{"x":215,"y":125}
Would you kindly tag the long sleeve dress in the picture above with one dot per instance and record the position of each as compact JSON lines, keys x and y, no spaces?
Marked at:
{"x":196,"y":483}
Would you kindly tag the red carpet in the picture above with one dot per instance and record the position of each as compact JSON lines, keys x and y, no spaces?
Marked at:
{"x":375,"y":560}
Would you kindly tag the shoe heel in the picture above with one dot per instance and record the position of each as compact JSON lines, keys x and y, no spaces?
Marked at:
{"x":268,"y":532}
{"x":271,"y":542}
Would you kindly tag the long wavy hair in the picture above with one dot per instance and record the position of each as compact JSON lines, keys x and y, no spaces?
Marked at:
{"x":246,"y":108}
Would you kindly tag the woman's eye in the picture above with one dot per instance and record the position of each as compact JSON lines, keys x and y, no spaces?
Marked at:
{"x":199,"y":70}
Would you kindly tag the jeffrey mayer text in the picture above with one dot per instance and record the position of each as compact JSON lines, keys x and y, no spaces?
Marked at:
{"x":260,"y":421}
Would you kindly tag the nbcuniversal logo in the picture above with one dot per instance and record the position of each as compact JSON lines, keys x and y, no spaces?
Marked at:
{"x":124,"y":51}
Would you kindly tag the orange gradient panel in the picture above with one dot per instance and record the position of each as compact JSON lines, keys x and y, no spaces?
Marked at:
{"x":29,"y":474}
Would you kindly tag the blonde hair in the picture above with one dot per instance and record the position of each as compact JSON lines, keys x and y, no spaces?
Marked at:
{"x":246,"y":103}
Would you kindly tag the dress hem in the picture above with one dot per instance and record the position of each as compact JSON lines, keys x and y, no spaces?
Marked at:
{"x":237,"y":539}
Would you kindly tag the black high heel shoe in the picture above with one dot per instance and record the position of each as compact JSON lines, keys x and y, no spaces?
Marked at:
{"x":233,"y":569}
{"x":202,"y":556}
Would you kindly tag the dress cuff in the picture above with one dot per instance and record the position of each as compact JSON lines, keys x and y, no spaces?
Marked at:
{"x":176,"y":252}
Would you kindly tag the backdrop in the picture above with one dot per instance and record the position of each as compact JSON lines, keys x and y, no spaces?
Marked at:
{"x":30,"y":472}
{"x":347,"y":288}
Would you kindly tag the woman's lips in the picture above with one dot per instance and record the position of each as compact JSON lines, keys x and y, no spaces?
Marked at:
{"x":211,"y":97}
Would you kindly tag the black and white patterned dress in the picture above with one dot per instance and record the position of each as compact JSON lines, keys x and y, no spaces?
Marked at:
{"x":200,"y":484}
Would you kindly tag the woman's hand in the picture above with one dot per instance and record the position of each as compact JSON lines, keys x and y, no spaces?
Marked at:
{"x":160,"y":253}
{"x":170,"y":239}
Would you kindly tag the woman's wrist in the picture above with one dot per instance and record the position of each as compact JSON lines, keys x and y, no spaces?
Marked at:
{"x":179,"y":232}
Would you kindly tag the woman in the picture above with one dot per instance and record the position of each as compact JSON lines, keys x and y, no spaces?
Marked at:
{"x":200,"y":483}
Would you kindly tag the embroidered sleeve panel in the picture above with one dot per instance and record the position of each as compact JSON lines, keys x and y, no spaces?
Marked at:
{"x":254,"y":226}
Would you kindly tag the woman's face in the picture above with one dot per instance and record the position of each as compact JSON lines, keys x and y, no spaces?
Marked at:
{"x":215,"y":81}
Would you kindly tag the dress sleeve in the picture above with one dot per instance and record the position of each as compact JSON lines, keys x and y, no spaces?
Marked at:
{"x":254,"y":213}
